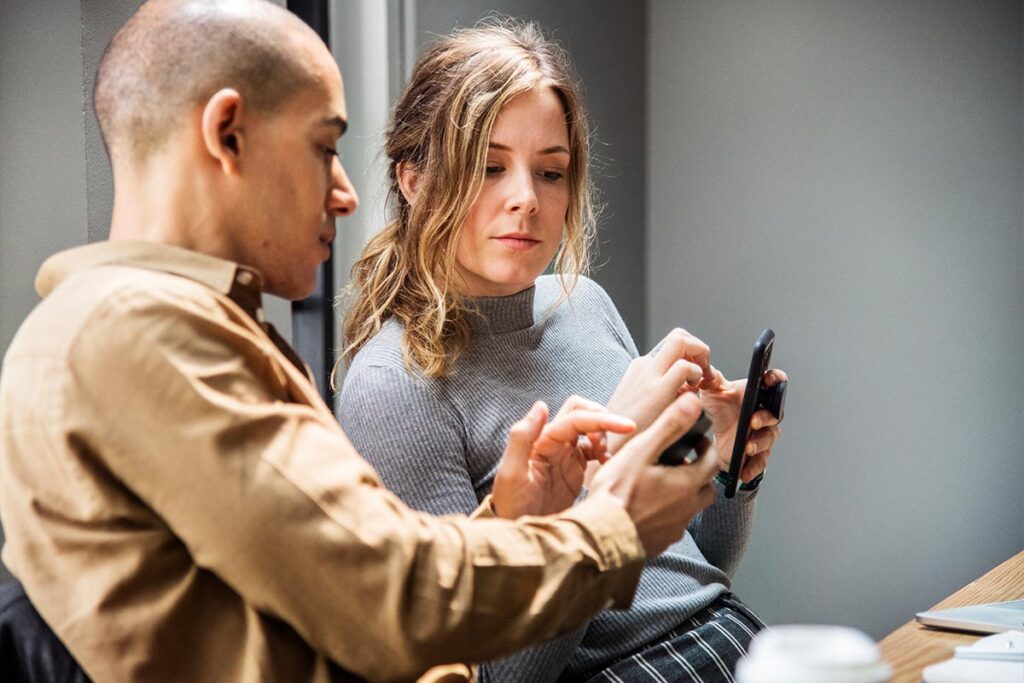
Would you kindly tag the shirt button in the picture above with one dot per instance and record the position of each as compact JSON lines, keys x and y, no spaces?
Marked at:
{"x":244,"y":278}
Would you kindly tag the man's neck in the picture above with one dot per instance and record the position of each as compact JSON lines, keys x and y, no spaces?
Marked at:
{"x":158,"y":205}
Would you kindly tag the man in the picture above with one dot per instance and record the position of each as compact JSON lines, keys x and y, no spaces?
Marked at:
{"x":179,"y":503}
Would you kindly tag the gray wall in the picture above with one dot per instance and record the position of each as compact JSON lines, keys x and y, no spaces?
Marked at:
{"x":606,"y":40}
{"x":42,"y":157}
{"x":850,"y":173}
{"x":42,"y":149}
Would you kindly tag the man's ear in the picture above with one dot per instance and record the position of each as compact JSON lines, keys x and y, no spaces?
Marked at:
{"x":408,"y":181}
{"x":222,"y":129}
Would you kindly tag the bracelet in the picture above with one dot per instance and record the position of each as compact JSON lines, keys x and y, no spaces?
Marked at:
{"x":723,"y":479}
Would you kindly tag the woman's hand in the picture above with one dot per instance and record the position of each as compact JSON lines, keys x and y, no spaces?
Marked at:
{"x":542,"y":469}
{"x":721,"y":400}
{"x":652,"y":382}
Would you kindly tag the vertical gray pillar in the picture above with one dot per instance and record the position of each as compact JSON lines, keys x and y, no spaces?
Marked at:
{"x":370,"y":40}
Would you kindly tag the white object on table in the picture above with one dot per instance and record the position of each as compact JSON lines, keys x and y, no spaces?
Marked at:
{"x":995,"y":659}
{"x":812,"y":654}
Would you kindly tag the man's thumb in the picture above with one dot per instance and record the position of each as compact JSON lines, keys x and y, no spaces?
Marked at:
{"x":523,"y":434}
{"x":673,"y":422}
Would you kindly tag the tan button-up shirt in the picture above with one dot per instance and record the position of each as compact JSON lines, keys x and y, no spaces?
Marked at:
{"x":181,"y":505}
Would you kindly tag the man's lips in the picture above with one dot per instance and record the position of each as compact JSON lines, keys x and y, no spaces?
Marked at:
{"x":325,"y":242}
{"x":518,"y":241}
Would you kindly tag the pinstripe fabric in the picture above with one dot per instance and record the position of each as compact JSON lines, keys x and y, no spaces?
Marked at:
{"x":703,"y":649}
{"x":437,"y":445}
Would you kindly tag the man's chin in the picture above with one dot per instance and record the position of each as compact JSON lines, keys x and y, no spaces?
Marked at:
{"x":292,"y":291}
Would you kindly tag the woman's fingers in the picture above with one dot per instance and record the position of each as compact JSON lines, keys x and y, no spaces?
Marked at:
{"x":763,"y":418}
{"x":774,"y":376}
{"x":681,"y":344}
{"x":762,"y":440}
{"x":754,"y":465}
{"x":714,"y":380}
{"x":683,"y":373}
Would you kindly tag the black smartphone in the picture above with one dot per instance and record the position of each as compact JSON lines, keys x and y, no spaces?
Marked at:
{"x":693,"y":444}
{"x":757,"y":396}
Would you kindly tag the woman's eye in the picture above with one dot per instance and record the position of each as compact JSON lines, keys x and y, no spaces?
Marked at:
{"x":493,"y":169}
{"x":552,"y":176}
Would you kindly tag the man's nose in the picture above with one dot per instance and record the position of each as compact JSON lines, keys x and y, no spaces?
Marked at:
{"x":522,"y":196}
{"x":342,"y":200}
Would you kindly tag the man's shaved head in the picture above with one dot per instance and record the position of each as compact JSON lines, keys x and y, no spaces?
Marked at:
{"x":172,"y":56}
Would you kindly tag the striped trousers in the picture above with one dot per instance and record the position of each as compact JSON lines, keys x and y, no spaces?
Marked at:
{"x":703,"y":649}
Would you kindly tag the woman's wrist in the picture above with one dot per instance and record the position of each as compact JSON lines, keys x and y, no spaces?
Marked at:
{"x":723,"y":479}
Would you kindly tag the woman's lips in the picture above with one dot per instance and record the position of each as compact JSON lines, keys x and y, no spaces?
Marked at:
{"x":518,"y":243}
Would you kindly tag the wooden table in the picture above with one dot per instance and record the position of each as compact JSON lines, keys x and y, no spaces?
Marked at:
{"x":912,"y":647}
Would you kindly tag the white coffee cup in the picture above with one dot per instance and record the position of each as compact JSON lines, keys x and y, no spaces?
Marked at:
{"x":812,"y":654}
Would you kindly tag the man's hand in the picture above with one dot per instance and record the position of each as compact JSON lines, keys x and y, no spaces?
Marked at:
{"x":721,"y":400}
{"x":653,"y":381}
{"x":660,"y":499}
{"x":542,"y":470}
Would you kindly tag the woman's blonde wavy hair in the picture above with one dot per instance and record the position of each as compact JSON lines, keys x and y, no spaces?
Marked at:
{"x":441,"y":126}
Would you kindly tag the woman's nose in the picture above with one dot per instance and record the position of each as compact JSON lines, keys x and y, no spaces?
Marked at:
{"x":522,"y":196}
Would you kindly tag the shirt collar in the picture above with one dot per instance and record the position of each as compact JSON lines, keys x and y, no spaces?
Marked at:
{"x":240,"y":283}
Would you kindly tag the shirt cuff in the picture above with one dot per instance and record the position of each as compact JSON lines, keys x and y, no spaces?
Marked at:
{"x":615,"y":538}
{"x":485,"y":510}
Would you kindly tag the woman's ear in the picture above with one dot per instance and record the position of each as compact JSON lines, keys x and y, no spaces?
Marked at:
{"x":408,"y":181}
{"x":222,"y":129}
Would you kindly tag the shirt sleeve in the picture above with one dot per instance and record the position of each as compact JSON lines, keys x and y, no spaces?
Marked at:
{"x":417,"y":445}
{"x":186,"y":407}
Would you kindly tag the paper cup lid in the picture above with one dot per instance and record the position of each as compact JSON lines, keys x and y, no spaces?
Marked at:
{"x":812,"y":654}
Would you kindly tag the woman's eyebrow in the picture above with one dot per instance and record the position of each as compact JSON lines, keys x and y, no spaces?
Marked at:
{"x":555,"y":149}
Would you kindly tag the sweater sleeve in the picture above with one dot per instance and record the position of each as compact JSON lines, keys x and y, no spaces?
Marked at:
{"x":722,"y":530}
{"x":417,"y":445}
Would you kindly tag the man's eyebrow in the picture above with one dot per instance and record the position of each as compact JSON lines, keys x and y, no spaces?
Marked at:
{"x":547,"y":150}
{"x":337,"y":122}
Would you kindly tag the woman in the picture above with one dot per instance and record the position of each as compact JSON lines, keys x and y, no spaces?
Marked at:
{"x":454,"y":331}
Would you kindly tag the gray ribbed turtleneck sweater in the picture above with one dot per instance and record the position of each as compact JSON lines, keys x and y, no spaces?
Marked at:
{"x":437,"y":444}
